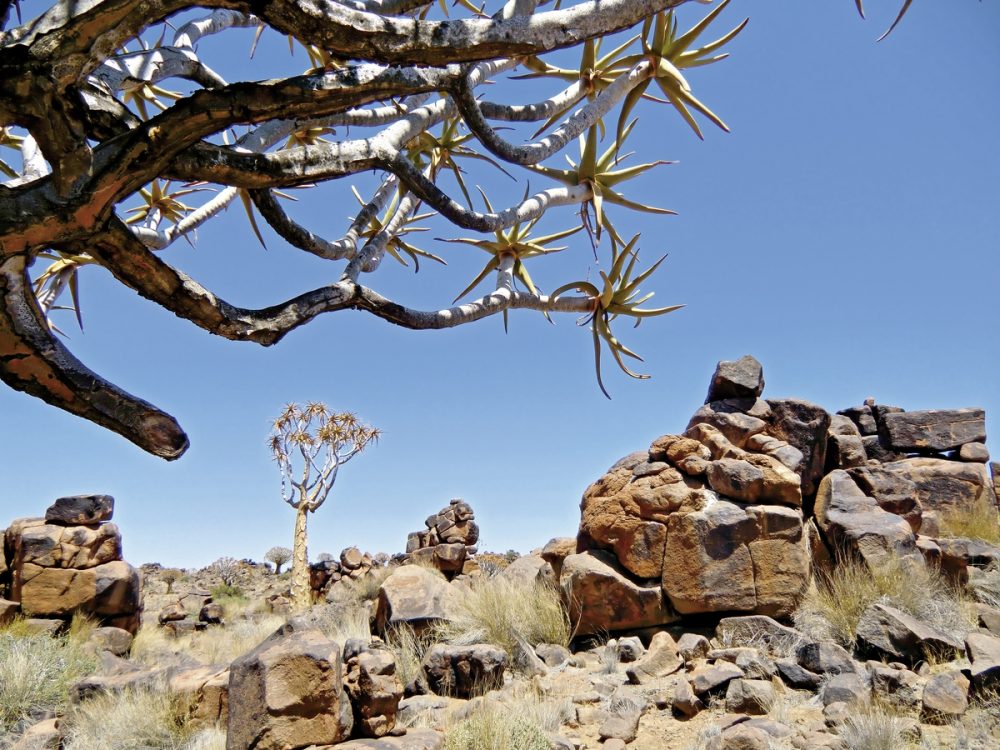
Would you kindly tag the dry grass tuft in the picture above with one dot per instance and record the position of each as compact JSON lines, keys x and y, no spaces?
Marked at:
{"x":129,"y":720}
{"x":494,"y":726}
{"x":985,"y":585}
{"x":833,"y":608}
{"x":216,"y":645}
{"x":408,"y":647}
{"x":365,"y":589}
{"x":979,"y":520}
{"x":875,"y":726}
{"x":343,"y":621}
{"x":504,"y":612}
{"x":36,"y":673}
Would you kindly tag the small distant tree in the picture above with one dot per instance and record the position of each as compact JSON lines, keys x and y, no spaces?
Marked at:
{"x":170,"y":576}
{"x":310,"y":444}
{"x":227,"y":569}
{"x":279,"y":556}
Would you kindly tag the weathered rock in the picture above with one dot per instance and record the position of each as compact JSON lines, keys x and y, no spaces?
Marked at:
{"x":8,"y":609}
{"x":205,"y":692}
{"x":754,"y":697}
{"x":529,"y":569}
{"x":663,"y":658}
{"x":54,"y":546}
{"x":983,"y":651}
{"x":461,"y":670}
{"x":892,"y":491}
{"x":731,"y":418}
{"x":974,"y":453}
{"x":741,"y":737}
{"x":755,"y":665}
{"x":374,"y":689}
{"x":692,"y":646}
{"x":862,"y":417}
{"x":846,"y":687}
{"x":211,"y":614}
{"x":603,"y":599}
{"x":108,"y":590}
{"x":803,"y":425}
{"x":756,"y":478}
{"x":759,"y":631}
{"x":624,"y":728}
{"x":173,"y":612}
{"x":797,"y":676}
{"x":708,"y":678}
{"x":556,"y":550}
{"x":80,"y":510}
{"x":630,"y":649}
{"x":287,"y":693}
{"x":824,"y":657}
{"x":897,"y":686}
{"x":684,"y":701}
{"x":741,"y":378}
{"x":552,"y":654}
{"x":854,"y":522}
{"x":945,"y":697}
{"x":895,"y":633}
{"x":934,"y":429}
{"x":44,"y":735}
{"x":878,"y":452}
{"x":844,"y":447}
{"x":942,"y":485}
{"x":414,"y":596}
{"x":115,"y":640}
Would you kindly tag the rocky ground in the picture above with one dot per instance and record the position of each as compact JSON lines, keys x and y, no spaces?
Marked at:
{"x":775,"y":576}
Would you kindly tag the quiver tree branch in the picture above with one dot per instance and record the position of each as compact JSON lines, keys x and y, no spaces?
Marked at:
{"x":75,"y":83}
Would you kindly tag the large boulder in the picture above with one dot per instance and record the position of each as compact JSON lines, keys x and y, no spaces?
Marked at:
{"x":413,"y":596}
{"x":287,"y":693}
{"x":108,"y":590}
{"x":936,"y":483}
{"x":854,"y":522}
{"x":803,"y":425}
{"x":602,"y":598}
{"x":50,"y":545}
{"x":936,"y":430}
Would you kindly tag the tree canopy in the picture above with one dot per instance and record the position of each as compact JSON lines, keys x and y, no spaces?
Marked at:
{"x":126,"y":143}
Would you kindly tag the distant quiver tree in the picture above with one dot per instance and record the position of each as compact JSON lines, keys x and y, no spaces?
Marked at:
{"x":310,"y":443}
{"x":122,"y":130}
{"x":279,"y":556}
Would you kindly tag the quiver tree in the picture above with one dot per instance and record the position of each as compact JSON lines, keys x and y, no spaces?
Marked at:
{"x":310,"y":444}
{"x":121,"y":127}
{"x":279,"y":556}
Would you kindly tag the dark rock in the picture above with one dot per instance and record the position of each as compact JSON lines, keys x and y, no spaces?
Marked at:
{"x":844,"y":447}
{"x":876,"y":451}
{"x":708,"y":678}
{"x":81,"y":510}
{"x":983,"y":651}
{"x":898,"y":686}
{"x":942,"y":485}
{"x":692,"y":646}
{"x":824,"y":657}
{"x":741,"y":378}
{"x":211,"y":614}
{"x":803,"y":425}
{"x":374,"y":690}
{"x":553,"y":654}
{"x":685,"y":702}
{"x":933,"y":430}
{"x":461,"y":671}
{"x":797,"y":676}
{"x":895,"y":633}
{"x":863,"y":419}
{"x":8,"y":609}
{"x":892,"y":490}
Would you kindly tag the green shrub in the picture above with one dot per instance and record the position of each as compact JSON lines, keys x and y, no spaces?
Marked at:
{"x":227,"y":591}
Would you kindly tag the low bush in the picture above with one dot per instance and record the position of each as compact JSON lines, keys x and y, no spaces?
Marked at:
{"x":833,"y":608}
{"x":505,"y":611}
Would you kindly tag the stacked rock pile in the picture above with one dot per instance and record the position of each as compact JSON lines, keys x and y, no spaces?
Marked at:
{"x":731,"y":515}
{"x":70,"y":561}
{"x":449,"y":539}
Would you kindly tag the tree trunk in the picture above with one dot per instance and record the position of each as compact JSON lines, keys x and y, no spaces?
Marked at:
{"x":301,"y":590}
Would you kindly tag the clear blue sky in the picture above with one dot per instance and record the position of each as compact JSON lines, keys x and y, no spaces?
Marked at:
{"x":845,"y":233}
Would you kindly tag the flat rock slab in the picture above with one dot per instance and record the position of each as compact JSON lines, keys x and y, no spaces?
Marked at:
{"x":896,"y":633}
{"x":80,"y":510}
{"x":933,"y":429}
